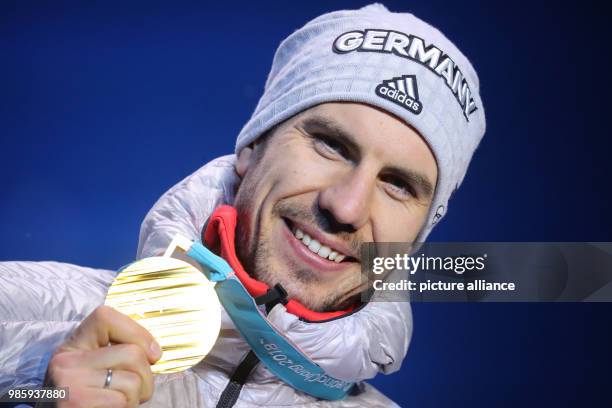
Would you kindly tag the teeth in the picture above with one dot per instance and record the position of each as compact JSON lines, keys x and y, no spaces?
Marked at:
{"x":324,"y":251}
{"x":316,"y":247}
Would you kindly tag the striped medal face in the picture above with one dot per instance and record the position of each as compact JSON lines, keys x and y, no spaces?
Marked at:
{"x":174,"y":301}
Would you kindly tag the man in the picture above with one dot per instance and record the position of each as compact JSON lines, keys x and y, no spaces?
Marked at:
{"x":367,"y":125}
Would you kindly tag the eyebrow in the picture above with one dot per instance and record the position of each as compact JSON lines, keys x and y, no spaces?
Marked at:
{"x":414,"y":178}
{"x":324,"y":124}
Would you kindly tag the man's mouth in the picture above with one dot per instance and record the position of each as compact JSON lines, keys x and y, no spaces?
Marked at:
{"x":328,"y":252}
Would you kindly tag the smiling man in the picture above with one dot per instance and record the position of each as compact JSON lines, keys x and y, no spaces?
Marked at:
{"x":366,"y":127}
{"x":321,"y":184}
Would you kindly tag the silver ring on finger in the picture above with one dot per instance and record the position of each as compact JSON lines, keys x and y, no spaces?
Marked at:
{"x":109,"y":378}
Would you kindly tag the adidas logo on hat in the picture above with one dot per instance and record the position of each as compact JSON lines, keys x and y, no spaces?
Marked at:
{"x":403,"y":91}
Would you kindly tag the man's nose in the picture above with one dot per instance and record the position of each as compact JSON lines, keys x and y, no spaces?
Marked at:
{"x":349,"y":198}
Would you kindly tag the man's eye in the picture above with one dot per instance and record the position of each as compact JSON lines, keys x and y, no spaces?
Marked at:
{"x":398,"y":187}
{"x":328,"y":146}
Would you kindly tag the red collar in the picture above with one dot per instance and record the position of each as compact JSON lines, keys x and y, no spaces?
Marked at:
{"x":220,"y":236}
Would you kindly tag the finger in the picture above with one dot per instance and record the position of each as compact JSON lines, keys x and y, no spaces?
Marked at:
{"x":126,"y":382}
{"x":128,"y":357}
{"x":94,"y":397}
{"x":105,"y":325}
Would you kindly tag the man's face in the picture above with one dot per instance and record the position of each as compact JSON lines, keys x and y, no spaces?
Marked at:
{"x":325,"y":181}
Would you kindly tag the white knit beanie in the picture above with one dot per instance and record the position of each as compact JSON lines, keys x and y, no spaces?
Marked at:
{"x":393,"y":61}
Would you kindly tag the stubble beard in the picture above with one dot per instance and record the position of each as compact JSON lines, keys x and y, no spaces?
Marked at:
{"x":257,"y":256}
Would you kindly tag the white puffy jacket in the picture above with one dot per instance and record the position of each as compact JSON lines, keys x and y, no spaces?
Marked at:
{"x":42,"y":302}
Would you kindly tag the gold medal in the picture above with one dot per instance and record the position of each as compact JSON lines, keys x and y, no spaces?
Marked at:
{"x":174,"y":301}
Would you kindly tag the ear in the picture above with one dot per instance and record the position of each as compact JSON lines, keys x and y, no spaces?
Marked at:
{"x":245,"y":157}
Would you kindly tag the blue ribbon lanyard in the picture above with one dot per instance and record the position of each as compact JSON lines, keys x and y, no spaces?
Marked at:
{"x":277,"y":352}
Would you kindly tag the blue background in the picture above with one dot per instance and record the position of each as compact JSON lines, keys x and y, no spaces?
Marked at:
{"x":105,"y":106}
